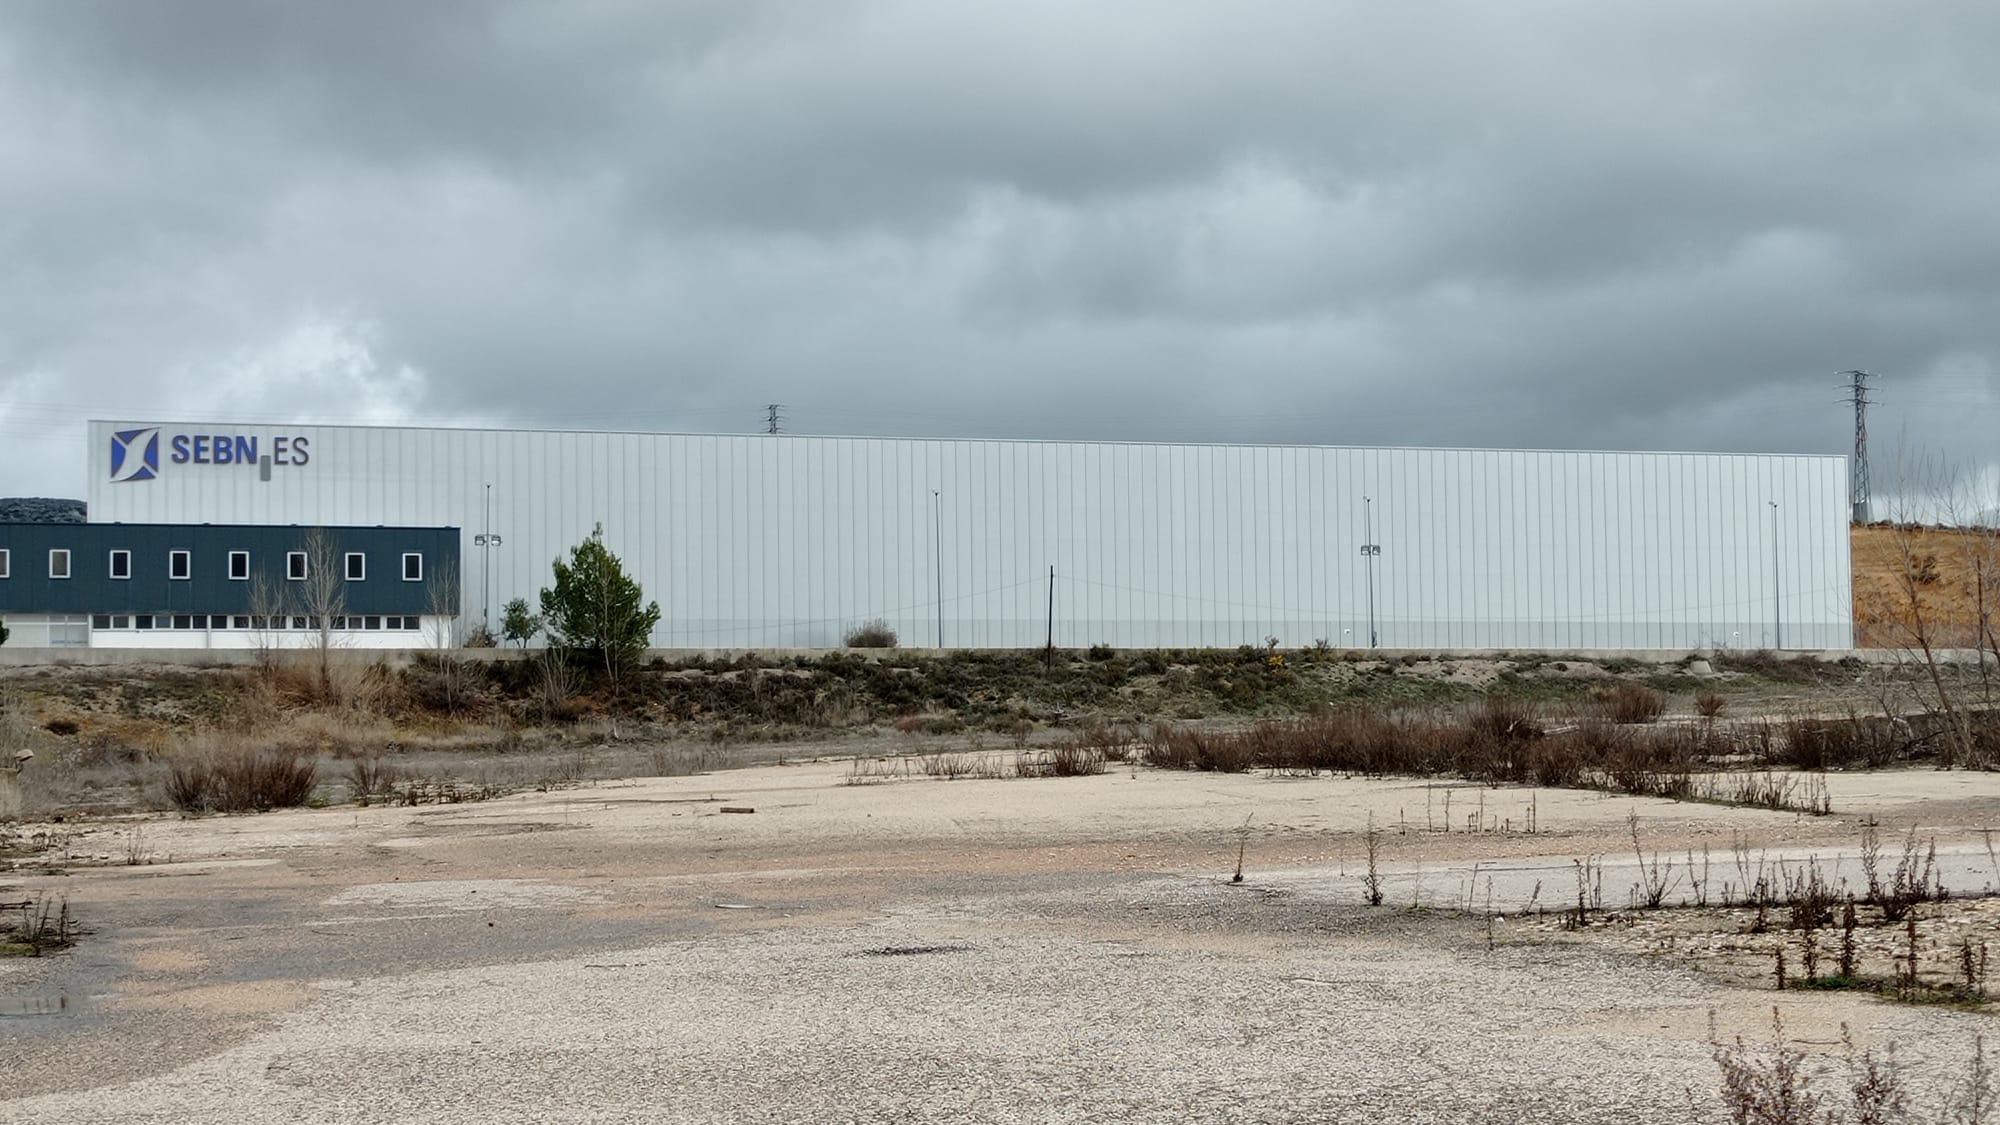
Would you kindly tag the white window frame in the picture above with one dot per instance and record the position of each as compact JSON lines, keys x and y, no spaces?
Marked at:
{"x":356,"y":561}
{"x":66,"y":570}
{"x":6,"y":562}
{"x":111,"y":565}
{"x":419,"y":575}
{"x":304,"y":567}
{"x":185,"y":558}
{"x":233,"y":556}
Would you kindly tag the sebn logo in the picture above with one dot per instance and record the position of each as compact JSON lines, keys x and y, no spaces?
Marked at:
{"x":135,"y":454}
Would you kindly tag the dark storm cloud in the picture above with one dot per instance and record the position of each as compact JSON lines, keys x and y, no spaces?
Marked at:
{"x":1546,"y":224}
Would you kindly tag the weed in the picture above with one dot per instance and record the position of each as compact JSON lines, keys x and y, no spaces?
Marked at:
{"x":1242,"y":846}
{"x":1915,"y":880}
{"x":1709,"y":704}
{"x":1371,"y":881}
{"x":42,"y":925}
{"x":1656,"y":878}
{"x":1848,"y":921}
{"x":137,"y":851}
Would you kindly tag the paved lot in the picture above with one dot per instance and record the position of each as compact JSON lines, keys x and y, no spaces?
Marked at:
{"x":1049,"y":950}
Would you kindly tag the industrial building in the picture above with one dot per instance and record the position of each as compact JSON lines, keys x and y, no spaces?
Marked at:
{"x":780,"y":540}
{"x":124,"y":585}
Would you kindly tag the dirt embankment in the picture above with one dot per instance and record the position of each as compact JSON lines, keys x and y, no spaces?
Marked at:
{"x":1944,"y":580}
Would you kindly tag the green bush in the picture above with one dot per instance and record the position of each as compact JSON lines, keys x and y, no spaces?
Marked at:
{"x":594,"y":614}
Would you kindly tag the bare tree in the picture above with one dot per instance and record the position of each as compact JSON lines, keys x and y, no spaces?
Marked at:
{"x":441,"y":596}
{"x":323,"y":594}
{"x":268,"y":610}
{"x":1924,"y":492}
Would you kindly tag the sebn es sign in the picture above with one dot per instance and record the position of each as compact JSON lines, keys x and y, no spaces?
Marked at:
{"x":135,"y":453}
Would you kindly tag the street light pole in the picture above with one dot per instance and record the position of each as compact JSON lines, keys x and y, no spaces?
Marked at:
{"x":1370,"y":550}
{"x":937,"y":556}
{"x":486,"y":540}
{"x":486,"y":566}
{"x":1777,"y":580}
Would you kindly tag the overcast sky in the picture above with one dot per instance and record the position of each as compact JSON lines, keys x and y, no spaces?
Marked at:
{"x":1626,"y":226}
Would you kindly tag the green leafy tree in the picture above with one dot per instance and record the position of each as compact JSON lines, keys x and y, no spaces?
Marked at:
{"x":518,"y":623}
{"x":3,"y":632}
{"x":594,"y":614}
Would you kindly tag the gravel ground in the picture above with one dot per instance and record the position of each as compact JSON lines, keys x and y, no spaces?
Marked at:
{"x":972,"y":951}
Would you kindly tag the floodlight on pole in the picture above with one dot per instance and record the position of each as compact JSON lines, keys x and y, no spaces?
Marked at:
{"x":486,"y":541}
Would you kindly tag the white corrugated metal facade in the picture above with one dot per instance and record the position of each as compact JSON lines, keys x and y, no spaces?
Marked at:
{"x":761,"y":541}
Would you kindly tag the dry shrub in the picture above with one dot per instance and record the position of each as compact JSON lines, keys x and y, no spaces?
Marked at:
{"x":1853,"y":741}
{"x":1631,"y":703}
{"x":371,"y":776}
{"x":1504,"y":717}
{"x":1184,"y":748}
{"x":1777,"y":1085}
{"x":1069,"y":759}
{"x":1111,"y":744}
{"x":238,"y":779}
{"x":1709,"y":704}
{"x":1492,"y":746}
{"x":872,"y":634}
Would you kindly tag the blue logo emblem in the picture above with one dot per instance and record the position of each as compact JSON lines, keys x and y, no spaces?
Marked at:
{"x":135,"y":454}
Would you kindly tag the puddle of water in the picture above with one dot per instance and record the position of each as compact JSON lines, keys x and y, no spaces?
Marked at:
{"x":34,"y":1005}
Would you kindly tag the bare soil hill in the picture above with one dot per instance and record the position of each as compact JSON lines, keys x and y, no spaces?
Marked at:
{"x":1946,"y":578}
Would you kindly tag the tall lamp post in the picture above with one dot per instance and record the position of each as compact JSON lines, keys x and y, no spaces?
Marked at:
{"x":937,"y":556}
{"x":486,"y":541}
{"x":1777,"y":587}
{"x":1372,"y":551}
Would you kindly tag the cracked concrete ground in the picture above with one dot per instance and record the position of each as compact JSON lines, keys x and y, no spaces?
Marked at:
{"x":1065,"y":949}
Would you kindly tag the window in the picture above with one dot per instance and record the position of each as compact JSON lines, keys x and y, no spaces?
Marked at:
{"x":413,"y":567}
{"x":179,"y":565}
{"x":121,"y":564}
{"x":100,"y":621}
{"x":302,"y":623}
{"x":339,"y":623}
{"x":374,"y":623}
{"x":183,"y":620}
{"x":69,"y":630}
{"x":121,"y":621}
{"x":143,"y":621}
{"x":357,"y":566}
{"x":239,"y":566}
{"x":59,"y":562}
{"x":240,"y":622}
{"x":413,"y":623}
{"x":5,"y":561}
{"x":295,"y":565}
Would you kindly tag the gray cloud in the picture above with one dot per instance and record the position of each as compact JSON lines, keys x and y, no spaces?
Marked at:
{"x":1543,"y":224}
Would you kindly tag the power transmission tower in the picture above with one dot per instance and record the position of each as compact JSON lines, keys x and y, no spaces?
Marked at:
{"x":1858,"y":484}
{"x":772,"y":418}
